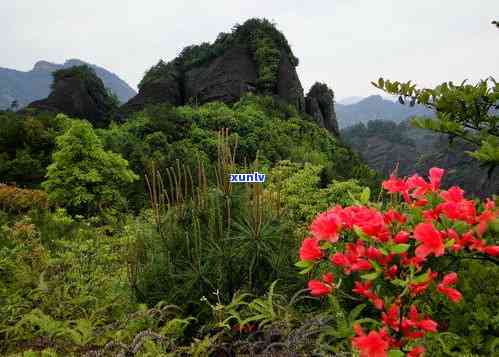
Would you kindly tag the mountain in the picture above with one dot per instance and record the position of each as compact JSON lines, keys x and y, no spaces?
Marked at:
{"x":32,"y":85}
{"x":254,"y":58}
{"x":349,"y":100}
{"x":385,"y":145}
{"x":375,"y":107}
{"x":78,"y":92}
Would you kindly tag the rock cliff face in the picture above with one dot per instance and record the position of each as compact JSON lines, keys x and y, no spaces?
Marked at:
{"x":226,"y":78}
{"x":386,"y":145}
{"x":320,"y":105}
{"x":79,"y":93}
{"x":254,"y":58}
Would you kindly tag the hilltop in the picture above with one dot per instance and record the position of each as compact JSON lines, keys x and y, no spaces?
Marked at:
{"x":254,"y":57}
{"x":26,"y":87}
{"x":376,"y":107}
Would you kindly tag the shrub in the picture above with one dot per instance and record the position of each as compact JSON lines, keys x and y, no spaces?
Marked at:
{"x":393,"y":257}
{"x":83,"y":176}
{"x":14,"y":199}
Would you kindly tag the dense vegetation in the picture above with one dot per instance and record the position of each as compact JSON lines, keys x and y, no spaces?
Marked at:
{"x":105,"y":240}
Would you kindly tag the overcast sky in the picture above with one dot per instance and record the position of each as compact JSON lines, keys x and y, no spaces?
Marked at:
{"x":344,"y":43}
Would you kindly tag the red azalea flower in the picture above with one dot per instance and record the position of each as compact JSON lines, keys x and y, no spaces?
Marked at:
{"x":310,"y":250}
{"x":392,"y":317}
{"x":418,"y":185}
{"x":328,"y":278}
{"x":436,"y":177}
{"x":419,"y":288}
{"x":451,"y":293}
{"x":431,"y":214}
{"x":417,"y":351}
{"x":318,"y":288}
{"x":396,"y":185}
{"x":421,"y":202}
{"x":370,"y":221}
{"x":463,"y":210}
{"x":451,"y":234}
{"x":489,"y":204}
{"x":428,"y":325}
{"x":392,"y":272}
{"x":372,"y":345}
{"x":484,"y":219}
{"x":431,"y":240}
{"x":361,"y":264}
{"x":478,"y":245}
{"x":362,"y":288}
{"x":326,"y":226}
{"x":492,"y":250}
{"x":450,"y":279}
{"x":453,"y":194}
{"x":466,"y":240}
{"x":373,"y":253}
{"x":413,"y":326}
{"x":401,"y":237}
{"x":321,"y":288}
{"x":386,"y":259}
{"x":377,"y":302}
{"x":394,"y":216}
{"x":340,"y":259}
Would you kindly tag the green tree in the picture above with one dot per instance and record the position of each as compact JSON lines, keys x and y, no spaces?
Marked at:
{"x":83,"y":176}
{"x":465,"y":111}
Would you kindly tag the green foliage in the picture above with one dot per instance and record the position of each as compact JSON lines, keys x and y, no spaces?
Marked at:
{"x":470,"y":327}
{"x":268,"y":59}
{"x":300,"y":195}
{"x":83,"y":176}
{"x":262,"y":127}
{"x":63,"y":285}
{"x":222,"y":243}
{"x":464,"y":111}
{"x":26,"y":145}
{"x":84,"y":72}
{"x":393,"y":132}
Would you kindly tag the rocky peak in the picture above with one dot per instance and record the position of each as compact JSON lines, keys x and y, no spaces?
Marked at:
{"x":79,"y":93}
{"x":44,"y":66}
{"x":320,"y":105}
{"x":72,"y":62}
{"x":254,"y":57}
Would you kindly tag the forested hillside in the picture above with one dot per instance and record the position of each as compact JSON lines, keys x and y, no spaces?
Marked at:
{"x":387,"y":146}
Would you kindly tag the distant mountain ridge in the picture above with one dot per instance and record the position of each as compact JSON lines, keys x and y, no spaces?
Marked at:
{"x":376,"y":107}
{"x":26,"y":87}
{"x":386,"y":145}
{"x":349,"y":100}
